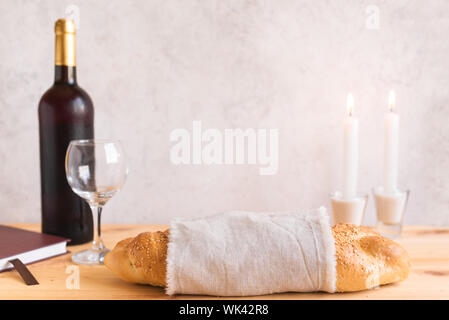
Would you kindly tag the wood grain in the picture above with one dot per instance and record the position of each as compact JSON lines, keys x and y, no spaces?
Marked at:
{"x":428,"y":248}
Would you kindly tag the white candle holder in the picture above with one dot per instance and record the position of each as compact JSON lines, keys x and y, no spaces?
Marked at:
{"x":348,"y":210}
{"x":390,"y":208}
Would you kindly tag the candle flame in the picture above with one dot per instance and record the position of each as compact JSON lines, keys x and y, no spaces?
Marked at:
{"x":391,"y":100}
{"x":350,"y":104}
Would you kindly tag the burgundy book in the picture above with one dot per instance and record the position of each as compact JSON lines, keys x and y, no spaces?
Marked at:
{"x":28,"y":246}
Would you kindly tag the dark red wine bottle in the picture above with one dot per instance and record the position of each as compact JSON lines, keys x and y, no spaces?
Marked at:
{"x":66,"y":113}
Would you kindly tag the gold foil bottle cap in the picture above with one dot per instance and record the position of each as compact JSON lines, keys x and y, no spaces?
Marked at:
{"x":65,"y":26}
{"x":65,"y":43}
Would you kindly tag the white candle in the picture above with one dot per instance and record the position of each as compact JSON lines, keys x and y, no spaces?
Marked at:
{"x":391,"y":147}
{"x":351,"y":151}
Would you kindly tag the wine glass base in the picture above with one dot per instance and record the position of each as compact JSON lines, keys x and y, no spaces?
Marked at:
{"x":90,"y":256}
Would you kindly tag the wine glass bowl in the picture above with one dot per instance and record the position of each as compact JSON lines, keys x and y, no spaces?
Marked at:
{"x":95,"y":170}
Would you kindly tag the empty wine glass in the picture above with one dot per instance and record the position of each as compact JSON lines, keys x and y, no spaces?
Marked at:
{"x":95,"y":170}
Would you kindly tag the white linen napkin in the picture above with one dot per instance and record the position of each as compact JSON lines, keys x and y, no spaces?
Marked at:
{"x":246,"y":253}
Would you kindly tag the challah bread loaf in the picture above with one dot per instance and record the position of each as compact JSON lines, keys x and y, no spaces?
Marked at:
{"x":364,"y":258}
{"x":141,"y":259}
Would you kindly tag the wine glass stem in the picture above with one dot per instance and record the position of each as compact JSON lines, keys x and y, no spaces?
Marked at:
{"x":97,"y":244}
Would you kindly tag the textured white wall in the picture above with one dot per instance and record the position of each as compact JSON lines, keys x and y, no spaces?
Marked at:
{"x":153,"y":66}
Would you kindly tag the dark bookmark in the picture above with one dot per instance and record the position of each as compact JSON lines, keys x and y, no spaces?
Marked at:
{"x":26,"y":275}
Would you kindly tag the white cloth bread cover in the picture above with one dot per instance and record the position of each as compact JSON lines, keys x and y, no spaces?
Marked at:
{"x":246,"y":253}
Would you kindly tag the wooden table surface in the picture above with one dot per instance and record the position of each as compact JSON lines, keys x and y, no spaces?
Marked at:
{"x":428,"y":248}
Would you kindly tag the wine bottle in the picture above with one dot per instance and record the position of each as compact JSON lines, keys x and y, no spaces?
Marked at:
{"x":65,"y":113}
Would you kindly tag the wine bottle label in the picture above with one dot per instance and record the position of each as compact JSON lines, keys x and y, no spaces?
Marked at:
{"x":65,"y":43}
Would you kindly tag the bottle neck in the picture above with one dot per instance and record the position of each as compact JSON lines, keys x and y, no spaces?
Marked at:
{"x":65,"y":75}
{"x":65,"y":58}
